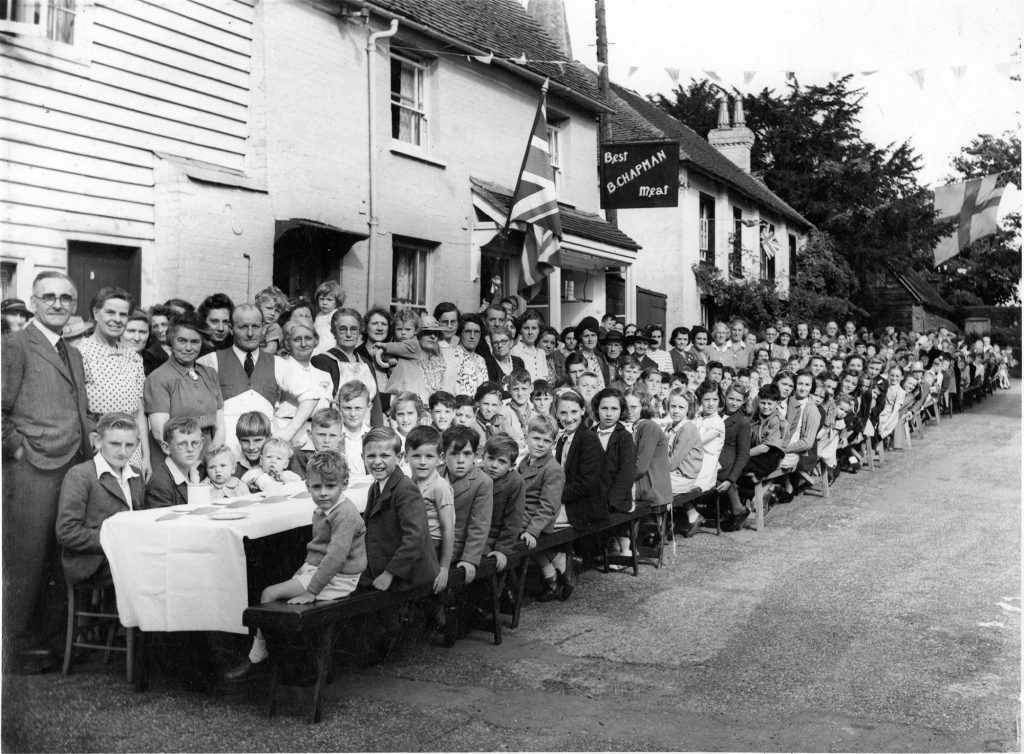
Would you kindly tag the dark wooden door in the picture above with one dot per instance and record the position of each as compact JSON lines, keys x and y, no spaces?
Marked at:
{"x":93,"y":266}
{"x":615,"y":296}
{"x":651,"y":307}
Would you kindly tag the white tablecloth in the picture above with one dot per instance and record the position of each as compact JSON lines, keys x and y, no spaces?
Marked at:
{"x":187,"y":573}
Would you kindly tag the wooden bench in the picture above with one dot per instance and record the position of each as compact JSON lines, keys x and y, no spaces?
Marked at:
{"x":758,"y":500}
{"x":316,"y":626}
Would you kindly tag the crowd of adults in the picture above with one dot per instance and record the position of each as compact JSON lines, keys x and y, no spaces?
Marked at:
{"x":720,"y":406}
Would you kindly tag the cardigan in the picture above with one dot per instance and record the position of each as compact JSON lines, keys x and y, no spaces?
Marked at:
{"x":653,"y":484}
{"x":736,"y":449}
{"x":338,"y":544}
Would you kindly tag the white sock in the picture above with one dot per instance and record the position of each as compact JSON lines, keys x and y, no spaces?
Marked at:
{"x":259,"y":652}
{"x":558,"y":561}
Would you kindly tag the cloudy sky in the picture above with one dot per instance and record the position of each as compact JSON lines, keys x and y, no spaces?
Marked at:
{"x":816,"y":39}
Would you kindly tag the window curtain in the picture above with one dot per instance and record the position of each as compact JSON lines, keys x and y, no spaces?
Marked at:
{"x":61,"y":21}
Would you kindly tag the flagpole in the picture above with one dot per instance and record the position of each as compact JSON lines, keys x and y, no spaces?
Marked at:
{"x":526,"y":155}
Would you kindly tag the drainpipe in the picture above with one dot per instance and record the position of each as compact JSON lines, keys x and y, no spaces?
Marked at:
{"x":371,"y":104}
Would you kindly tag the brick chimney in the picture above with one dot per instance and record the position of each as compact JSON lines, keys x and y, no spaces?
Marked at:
{"x":550,"y":15}
{"x":732,"y":138}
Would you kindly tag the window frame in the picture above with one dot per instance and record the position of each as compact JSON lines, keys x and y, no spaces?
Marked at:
{"x":736,"y":252}
{"x":554,"y":129}
{"x":36,"y":37}
{"x":706,"y":228}
{"x":419,"y":108}
{"x":421,"y":279}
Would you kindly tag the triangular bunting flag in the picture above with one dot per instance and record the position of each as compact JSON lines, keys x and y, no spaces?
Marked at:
{"x":673,"y":73}
{"x":485,"y":59}
{"x":632,"y":69}
{"x":748,"y":76}
{"x":835,"y":75}
{"x":868,"y":73}
{"x":959,"y":71}
{"x":918,"y":77}
{"x":521,"y":60}
{"x":790,"y":76}
{"x":713,"y":76}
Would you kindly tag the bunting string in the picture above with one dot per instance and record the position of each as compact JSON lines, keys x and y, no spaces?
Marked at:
{"x":917,"y":75}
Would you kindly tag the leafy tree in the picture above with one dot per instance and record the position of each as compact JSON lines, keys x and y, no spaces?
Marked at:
{"x":696,"y":105}
{"x":823,"y":285}
{"x":810,"y":151}
{"x":989,"y":270}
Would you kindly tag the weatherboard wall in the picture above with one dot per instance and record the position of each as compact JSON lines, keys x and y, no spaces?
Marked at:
{"x":81,"y":125}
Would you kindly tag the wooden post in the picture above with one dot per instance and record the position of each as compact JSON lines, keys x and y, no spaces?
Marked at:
{"x":602,"y":57}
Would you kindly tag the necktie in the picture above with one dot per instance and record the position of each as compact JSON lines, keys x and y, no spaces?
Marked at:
{"x":62,"y":351}
{"x":249,"y":366}
{"x":558,"y":448}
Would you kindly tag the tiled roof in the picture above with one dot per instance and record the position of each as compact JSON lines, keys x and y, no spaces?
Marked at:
{"x":499,"y":26}
{"x":635,"y":118}
{"x":574,"y":221}
{"x":918,"y":287}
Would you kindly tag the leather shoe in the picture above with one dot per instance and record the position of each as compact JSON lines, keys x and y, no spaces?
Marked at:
{"x":692,"y":528}
{"x":33,"y":661}
{"x":735,"y":523}
{"x":552,"y":590}
{"x":247,"y":671}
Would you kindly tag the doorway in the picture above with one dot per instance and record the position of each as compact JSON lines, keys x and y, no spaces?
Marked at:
{"x":306,"y":254}
{"x":93,"y":266}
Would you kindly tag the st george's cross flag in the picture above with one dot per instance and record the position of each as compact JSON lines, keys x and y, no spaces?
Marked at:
{"x":976,"y":204}
{"x":535,"y":207}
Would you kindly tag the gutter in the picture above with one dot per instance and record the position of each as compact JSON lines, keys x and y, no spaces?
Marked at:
{"x":518,"y":70}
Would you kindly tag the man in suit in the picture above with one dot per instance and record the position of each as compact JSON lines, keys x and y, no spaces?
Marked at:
{"x":94,"y":491}
{"x":45,"y":433}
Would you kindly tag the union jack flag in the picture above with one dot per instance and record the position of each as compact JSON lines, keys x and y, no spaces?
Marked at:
{"x":535,"y":207}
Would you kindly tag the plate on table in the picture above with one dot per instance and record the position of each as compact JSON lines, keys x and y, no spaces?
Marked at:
{"x":183,"y":507}
{"x":222,"y":501}
{"x":227,"y":515}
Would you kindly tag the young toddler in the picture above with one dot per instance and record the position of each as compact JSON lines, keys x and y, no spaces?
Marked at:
{"x":273,"y":469}
{"x":220,"y":467}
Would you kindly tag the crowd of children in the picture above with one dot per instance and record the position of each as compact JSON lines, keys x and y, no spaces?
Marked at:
{"x":587,"y":422}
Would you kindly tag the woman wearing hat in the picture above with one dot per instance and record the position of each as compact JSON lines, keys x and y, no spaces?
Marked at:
{"x":15,"y":314}
{"x":587,"y":334}
{"x":114,"y":373}
{"x":640,"y":342}
{"x":423,"y":367}
{"x":181,"y":387}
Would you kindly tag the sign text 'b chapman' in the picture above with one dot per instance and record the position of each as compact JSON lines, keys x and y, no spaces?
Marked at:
{"x":639,"y":174}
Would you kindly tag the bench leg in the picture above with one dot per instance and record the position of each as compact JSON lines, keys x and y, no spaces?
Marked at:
{"x":759,"y":506}
{"x":520,"y":588}
{"x":634,"y":535}
{"x":325,"y":642}
{"x":497,"y":583}
{"x":275,"y":679}
{"x":143,"y":653}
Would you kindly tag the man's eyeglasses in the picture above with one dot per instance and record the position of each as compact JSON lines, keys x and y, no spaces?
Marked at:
{"x":66,"y":299}
{"x":188,"y":444}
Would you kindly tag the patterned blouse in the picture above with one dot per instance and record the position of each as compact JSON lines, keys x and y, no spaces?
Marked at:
{"x":472,"y":371}
{"x":114,"y":380}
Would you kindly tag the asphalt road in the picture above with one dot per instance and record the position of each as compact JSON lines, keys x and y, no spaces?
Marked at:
{"x":885,"y":620}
